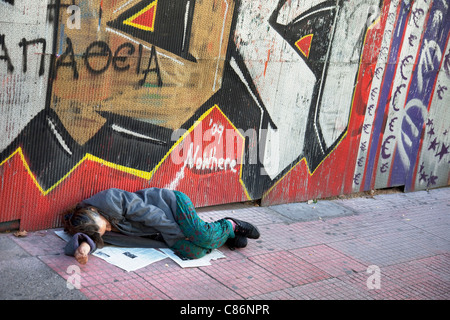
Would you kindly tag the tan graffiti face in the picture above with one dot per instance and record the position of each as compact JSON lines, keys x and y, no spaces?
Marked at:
{"x":110,"y":67}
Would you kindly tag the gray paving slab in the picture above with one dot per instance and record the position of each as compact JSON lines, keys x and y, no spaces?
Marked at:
{"x":26,"y":277}
{"x":316,"y":210}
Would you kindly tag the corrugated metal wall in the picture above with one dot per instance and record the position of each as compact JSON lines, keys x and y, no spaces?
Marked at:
{"x":224,"y":100}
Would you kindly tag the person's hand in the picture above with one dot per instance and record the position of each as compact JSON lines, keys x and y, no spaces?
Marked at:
{"x":82,"y":252}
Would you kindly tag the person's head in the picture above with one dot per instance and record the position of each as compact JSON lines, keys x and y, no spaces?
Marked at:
{"x":89,"y":221}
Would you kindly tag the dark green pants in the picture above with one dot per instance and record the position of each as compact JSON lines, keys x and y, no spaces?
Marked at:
{"x":201,"y":236}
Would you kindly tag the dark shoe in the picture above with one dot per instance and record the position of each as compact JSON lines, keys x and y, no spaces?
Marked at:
{"x":245,"y":229}
{"x":237,"y":242}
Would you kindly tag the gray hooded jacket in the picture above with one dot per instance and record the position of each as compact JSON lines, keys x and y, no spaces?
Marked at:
{"x":147,"y":212}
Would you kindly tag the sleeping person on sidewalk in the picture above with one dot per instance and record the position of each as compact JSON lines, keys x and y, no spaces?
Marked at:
{"x":149,"y":218}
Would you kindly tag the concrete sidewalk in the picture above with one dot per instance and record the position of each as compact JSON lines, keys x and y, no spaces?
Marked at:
{"x":391,"y":246}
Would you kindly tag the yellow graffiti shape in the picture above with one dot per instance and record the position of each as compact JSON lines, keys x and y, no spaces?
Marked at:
{"x":144,"y":19}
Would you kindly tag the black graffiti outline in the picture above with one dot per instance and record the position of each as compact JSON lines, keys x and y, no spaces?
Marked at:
{"x":169,"y":33}
{"x":105,"y":52}
{"x":121,"y":65}
{"x":24,"y":43}
{"x":6,"y":56}
{"x":72,"y":63}
{"x":113,"y":59}
{"x":122,"y":59}
{"x":149,"y":70}
{"x":53,"y":9}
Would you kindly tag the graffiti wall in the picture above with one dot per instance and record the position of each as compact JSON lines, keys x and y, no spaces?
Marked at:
{"x":225,"y":100}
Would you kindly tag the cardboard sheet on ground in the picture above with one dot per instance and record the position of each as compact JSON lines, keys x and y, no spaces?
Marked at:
{"x":132,"y":259}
